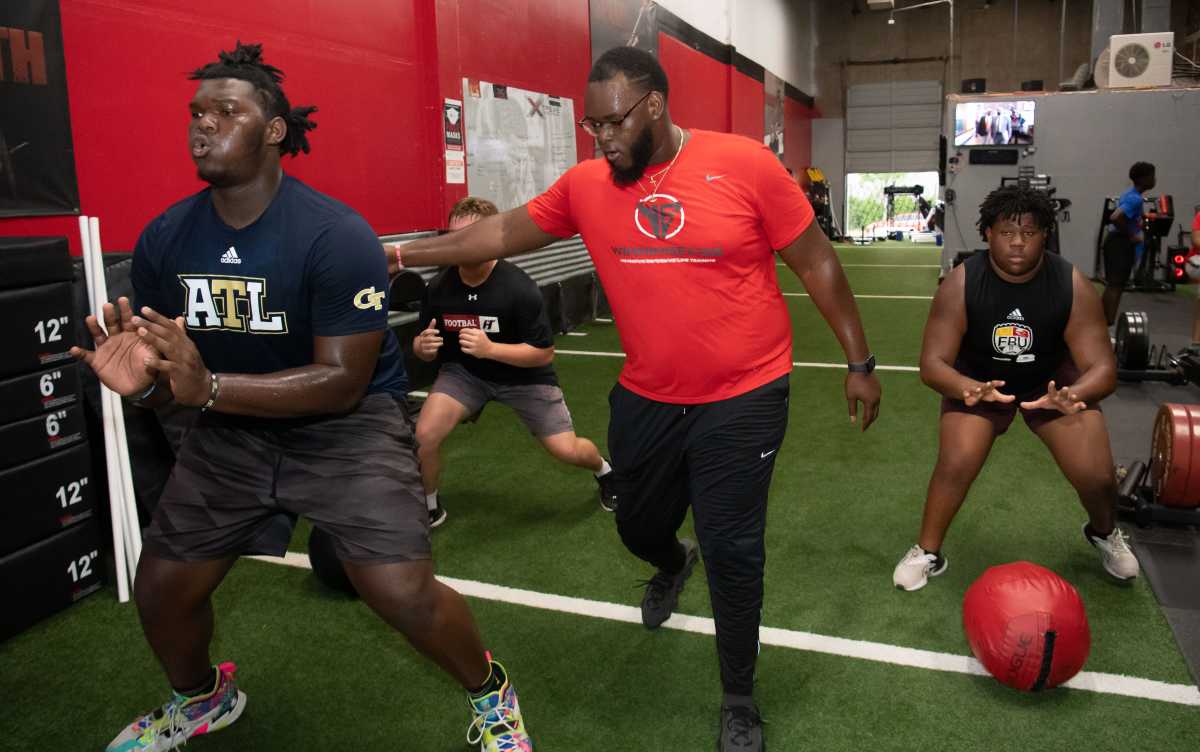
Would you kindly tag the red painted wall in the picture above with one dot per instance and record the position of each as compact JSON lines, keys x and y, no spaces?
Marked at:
{"x":797,"y":134}
{"x":539,"y":45}
{"x":747,"y":99}
{"x":126,"y":70}
{"x":699,"y":86}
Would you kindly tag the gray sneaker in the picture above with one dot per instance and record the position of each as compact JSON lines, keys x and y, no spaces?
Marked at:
{"x":741,"y":729}
{"x":663,"y":589}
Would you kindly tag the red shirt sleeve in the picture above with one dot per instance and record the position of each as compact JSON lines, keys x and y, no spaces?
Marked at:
{"x":782,"y":207}
{"x":1196,"y":232}
{"x":551,"y":211}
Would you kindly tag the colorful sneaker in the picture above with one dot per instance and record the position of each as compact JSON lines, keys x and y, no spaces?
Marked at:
{"x":183,"y":718}
{"x":608,"y":492}
{"x":498,"y":726}
{"x":915,"y":569}
{"x":1115,"y":554}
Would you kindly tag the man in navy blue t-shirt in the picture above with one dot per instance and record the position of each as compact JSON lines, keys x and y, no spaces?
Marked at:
{"x":1124,"y":242}
{"x":264,"y":303}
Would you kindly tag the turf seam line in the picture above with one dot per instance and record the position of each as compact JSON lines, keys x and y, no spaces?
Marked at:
{"x":881,"y":266}
{"x":796,"y":363}
{"x":878,"y":652}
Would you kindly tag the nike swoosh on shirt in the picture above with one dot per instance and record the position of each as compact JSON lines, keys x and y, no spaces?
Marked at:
{"x":765,"y":455}
{"x":711,"y":178}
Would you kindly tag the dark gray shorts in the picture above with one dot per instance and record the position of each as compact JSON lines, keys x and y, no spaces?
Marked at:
{"x":541,"y":407}
{"x":238,"y":491}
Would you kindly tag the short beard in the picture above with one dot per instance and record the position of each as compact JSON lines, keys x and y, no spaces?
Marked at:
{"x":640,"y":153}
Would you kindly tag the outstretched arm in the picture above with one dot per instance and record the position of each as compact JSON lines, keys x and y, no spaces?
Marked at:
{"x":506,"y":234}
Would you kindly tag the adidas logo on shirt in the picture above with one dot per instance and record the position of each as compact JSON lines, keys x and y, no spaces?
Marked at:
{"x":1015,"y":314}
{"x":231,"y":257}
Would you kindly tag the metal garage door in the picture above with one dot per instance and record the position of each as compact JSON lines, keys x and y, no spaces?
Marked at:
{"x":893,"y":127}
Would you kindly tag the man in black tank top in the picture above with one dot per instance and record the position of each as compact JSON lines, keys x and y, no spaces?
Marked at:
{"x":1016,"y":329}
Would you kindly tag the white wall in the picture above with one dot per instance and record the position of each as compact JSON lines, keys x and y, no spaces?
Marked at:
{"x":829,"y":155}
{"x":779,"y":35}
{"x":1086,"y":142}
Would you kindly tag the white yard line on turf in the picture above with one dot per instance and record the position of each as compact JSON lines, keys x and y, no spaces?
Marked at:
{"x":881,"y":266}
{"x":869,"y":297}
{"x":796,"y":363}
{"x":603,"y":321}
{"x":576,"y":334}
{"x":1091,"y":681}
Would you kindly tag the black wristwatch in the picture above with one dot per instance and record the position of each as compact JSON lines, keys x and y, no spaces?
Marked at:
{"x":866,"y":366}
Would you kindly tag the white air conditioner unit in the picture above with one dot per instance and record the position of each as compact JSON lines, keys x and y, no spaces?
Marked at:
{"x":881,"y":4}
{"x":1140,"y":59}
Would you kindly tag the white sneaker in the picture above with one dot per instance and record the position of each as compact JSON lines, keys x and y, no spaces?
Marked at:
{"x":915,"y":569}
{"x":1115,"y":554}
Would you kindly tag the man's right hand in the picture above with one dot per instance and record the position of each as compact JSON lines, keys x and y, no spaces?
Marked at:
{"x":119,"y":359}
{"x":427,"y":343}
{"x":986,"y":391}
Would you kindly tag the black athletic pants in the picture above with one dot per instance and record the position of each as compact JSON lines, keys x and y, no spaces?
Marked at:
{"x":716,"y":458}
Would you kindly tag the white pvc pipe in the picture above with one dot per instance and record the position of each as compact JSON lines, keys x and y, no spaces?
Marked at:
{"x":115,"y":489}
{"x":133,"y":531}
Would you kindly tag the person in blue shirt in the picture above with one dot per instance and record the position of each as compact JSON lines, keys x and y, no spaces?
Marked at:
{"x":264,"y":303}
{"x":1124,"y":242}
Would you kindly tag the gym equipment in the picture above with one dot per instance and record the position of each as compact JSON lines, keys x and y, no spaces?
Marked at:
{"x":35,"y":393}
{"x":1154,"y":271}
{"x":46,"y":577}
{"x":38,"y":436}
{"x":45,"y":496}
{"x":816,"y":187}
{"x":1175,"y":456}
{"x":1139,"y":360}
{"x":1027,"y":626}
{"x":29,"y":261}
{"x":891,"y":191}
{"x":1133,"y":341}
{"x":406,"y":291}
{"x":325,"y":563}
{"x":39,"y":328}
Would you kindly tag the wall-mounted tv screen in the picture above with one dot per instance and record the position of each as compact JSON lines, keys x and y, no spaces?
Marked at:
{"x":996,"y":122}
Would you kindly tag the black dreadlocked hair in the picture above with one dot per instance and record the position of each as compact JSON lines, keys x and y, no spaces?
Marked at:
{"x":639,"y":66}
{"x":245,"y":63}
{"x":1140,"y":170}
{"x":1010,"y":202}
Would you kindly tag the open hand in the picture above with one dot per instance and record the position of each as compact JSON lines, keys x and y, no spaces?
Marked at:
{"x":475,"y":342}
{"x":988,"y":391}
{"x":119,"y":359}
{"x":176,"y":356}
{"x":1062,"y":400}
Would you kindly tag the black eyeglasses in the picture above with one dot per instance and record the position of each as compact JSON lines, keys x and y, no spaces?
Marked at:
{"x":595,"y":127}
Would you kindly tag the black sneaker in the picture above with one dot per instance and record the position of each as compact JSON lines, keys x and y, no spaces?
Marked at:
{"x":663,"y":589}
{"x":741,"y":730}
{"x":608,"y":493}
{"x":437,"y":516}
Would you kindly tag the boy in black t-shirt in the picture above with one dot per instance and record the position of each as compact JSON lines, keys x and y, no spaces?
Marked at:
{"x":488,"y":331}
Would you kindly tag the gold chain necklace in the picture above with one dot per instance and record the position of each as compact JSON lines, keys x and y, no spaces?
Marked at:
{"x":657,"y":178}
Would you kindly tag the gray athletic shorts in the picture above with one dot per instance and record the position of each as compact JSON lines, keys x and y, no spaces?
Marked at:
{"x":541,"y":407}
{"x":238,"y":491}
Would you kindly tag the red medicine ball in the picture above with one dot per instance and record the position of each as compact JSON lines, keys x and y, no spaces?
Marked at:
{"x":1027,"y":626}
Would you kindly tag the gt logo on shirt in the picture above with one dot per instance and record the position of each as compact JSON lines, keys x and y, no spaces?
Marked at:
{"x":456,"y":322}
{"x":1012,"y":339}
{"x":235,"y":304}
{"x":368,"y":298}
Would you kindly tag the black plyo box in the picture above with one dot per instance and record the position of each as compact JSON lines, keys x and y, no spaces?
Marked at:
{"x":45,"y":496}
{"x":36,"y":437}
{"x":46,"y":577}
{"x":37,"y":393}
{"x":39,"y":328}
{"x":26,"y":261}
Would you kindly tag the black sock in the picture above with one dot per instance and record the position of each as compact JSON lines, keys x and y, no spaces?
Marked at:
{"x":1091,"y":532}
{"x":206,"y":687}
{"x":493,"y":683}
{"x":732,"y":701}
{"x":937,"y":555}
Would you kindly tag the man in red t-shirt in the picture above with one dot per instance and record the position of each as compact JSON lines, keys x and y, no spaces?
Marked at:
{"x":684,"y":228}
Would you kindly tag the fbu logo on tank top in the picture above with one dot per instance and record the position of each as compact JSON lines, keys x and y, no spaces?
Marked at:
{"x":1013,"y":339}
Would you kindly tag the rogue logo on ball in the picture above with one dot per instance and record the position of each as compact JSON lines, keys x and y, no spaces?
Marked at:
{"x":1011,"y":339}
{"x":659,"y":216}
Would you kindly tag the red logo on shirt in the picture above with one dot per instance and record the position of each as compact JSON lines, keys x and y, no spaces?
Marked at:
{"x":659,"y":216}
{"x":459,"y":321}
